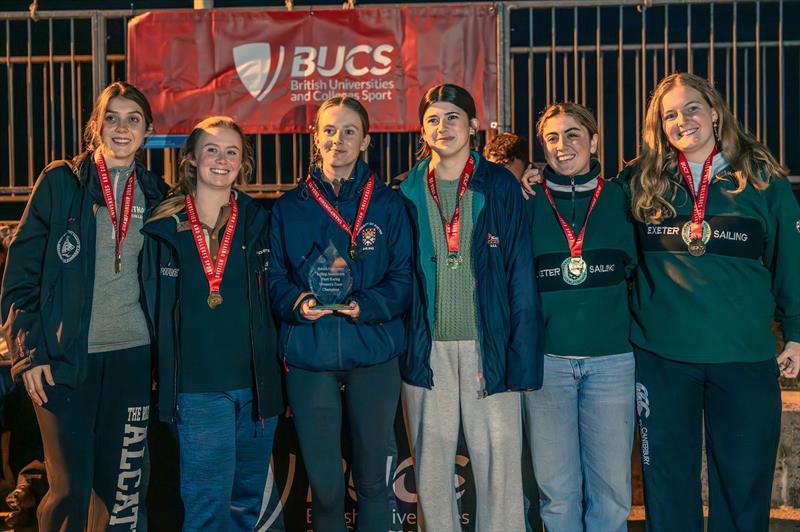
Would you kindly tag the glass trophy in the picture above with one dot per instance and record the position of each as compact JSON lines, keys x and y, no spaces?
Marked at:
{"x":330,"y":279}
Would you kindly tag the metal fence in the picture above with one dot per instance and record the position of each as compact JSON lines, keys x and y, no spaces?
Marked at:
{"x":607,"y":55}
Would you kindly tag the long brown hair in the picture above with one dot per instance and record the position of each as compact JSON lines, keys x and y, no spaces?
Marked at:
{"x":92,"y":133}
{"x":345,"y":101}
{"x":187,"y":172}
{"x":448,"y":93}
{"x":652,"y":185}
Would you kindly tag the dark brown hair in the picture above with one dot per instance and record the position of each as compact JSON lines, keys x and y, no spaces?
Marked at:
{"x":506,"y":147}
{"x":447,"y":93}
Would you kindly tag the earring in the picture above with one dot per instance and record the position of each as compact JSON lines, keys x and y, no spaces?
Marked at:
{"x":716,"y":131}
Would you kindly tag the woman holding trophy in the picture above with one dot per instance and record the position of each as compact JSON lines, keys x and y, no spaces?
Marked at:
{"x":340,"y":281}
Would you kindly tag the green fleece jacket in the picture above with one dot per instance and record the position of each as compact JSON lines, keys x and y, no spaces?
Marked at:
{"x":719,"y":307}
{"x":590,"y":317}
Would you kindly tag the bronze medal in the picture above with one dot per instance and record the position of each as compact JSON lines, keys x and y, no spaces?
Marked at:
{"x":214,"y":299}
{"x":353,"y":252}
{"x":696,"y":247}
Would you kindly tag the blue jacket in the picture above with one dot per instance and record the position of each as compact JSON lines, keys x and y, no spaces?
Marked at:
{"x":509,"y":312}
{"x":161,"y":270}
{"x":299,"y":233}
{"x":49,"y":277}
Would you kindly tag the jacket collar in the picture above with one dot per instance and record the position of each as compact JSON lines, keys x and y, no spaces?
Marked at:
{"x":417,"y":177}
{"x":152,"y":186}
{"x":351,"y":188}
{"x":582,"y":182}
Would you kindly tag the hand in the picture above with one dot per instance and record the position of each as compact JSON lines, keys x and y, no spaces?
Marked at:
{"x":789,"y":360}
{"x":34,"y":378}
{"x":308,"y":311}
{"x":530,"y":177}
{"x":353,"y":312}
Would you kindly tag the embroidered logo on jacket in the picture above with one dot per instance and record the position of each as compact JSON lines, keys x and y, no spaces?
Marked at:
{"x":797,"y":225}
{"x":166,"y":271}
{"x":370,"y":232}
{"x":492,"y":240}
{"x":642,"y":401}
{"x":68,"y":246}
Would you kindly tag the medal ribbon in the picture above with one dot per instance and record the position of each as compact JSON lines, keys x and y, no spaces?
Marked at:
{"x":701,"y":198}
{"x":121,"y":229}
{"x":575,"y":243}
{"x":214,"y":272}
{"x":366,"y":196}
{"x":452,"y":230}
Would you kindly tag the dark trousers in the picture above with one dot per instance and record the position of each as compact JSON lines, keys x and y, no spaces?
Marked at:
{"x":95,"y":441}
{"x":740,"y":405}
{"x":371,"y":396}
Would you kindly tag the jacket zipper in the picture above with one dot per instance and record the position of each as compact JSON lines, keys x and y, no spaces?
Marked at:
{"x":572,"y":182}
{"x":252,"y":346}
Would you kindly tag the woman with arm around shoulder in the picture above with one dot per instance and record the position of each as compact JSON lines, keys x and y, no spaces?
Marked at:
{"x":342,"y":218}
{"x":219,"y":381}
{"x":719,"y":236}
{"x":474,"y":327}
{"x":580,"y":424}
{"x":76,"y":324}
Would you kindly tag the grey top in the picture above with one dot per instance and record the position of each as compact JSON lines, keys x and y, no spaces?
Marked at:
{"x":717,"y":164}
{"x":118,"y":320}
{"x":455,"y":315}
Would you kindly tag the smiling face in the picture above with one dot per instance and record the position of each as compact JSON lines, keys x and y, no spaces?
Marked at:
{"x":687,"y":121}
{"x":218,"y":158}
{"x":340,"y":140}
{"x":123,"y":131}
{"x":568,"y":146}
{"x":446,"y":128}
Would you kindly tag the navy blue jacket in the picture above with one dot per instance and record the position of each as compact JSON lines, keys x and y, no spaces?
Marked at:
{"x":509,"y":314}
{"x":161,"y":267}
{"x":49,"y":277}
{"x":300,"y":232}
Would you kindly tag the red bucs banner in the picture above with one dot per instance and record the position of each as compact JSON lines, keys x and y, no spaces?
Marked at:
{"x":270,"y":70}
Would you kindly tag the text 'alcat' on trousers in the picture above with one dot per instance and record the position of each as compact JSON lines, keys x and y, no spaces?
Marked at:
{"x":740,"y":404}
{"x":493,"y":432}
{"x":95,"y":444}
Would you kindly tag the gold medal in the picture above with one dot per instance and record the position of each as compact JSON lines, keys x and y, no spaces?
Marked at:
{"x":214,"y":299}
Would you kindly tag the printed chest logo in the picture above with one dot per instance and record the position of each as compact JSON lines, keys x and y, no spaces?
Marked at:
{"x":493,"y":241}
{"x":642,"y":401}
{"x":68,"y":246}
{"x":370,"y":232}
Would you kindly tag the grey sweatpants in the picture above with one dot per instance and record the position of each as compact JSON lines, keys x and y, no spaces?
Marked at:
{"x":492,"y":428}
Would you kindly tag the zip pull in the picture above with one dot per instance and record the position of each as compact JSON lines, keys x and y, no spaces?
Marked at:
{"x":572,"y":181}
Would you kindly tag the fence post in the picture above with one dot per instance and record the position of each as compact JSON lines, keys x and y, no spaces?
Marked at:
{"x":503,"y":66}
{"x":99,"y":48}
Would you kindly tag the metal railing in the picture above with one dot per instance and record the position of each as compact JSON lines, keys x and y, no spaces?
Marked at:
{"x":609,"y":56}
{"x":606,"y":55}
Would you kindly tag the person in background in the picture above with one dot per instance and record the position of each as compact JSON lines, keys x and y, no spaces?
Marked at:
{"x":509,"y":150}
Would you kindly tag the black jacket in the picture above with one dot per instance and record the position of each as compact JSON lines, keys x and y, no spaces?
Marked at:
{"x":49,"y":279}
{"x":161,"y":267}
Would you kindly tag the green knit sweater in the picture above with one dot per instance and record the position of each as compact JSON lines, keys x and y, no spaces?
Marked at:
{"x":455,"y":288}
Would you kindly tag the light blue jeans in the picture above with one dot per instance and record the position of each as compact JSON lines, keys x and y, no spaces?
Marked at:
{"x":580,"y":426}
{"x":224,"y":460}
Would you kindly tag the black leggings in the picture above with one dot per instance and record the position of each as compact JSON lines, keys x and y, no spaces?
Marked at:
{"x":95,"y":440}
{"x":371,"y":396}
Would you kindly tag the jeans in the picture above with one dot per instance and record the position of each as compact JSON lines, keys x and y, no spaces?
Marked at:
{"x":580,"y":425}
{"x":224,"y":459}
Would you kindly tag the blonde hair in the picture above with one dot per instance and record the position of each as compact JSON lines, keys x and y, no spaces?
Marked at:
{"x":581,"y":114}
{"x":336,"y":101}
{"x":187,"y":172}
{"x":653,"y":185}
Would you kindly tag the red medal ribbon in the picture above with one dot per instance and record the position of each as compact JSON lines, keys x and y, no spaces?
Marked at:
{"x":366,"y":196}
{"x":121,"y":229}
{"x":575,"y":243}
{"x":701,"y":198}
{"x":452,"y":230}
{"x":215,"y":271}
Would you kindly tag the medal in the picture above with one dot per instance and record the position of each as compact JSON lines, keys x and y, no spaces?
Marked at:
{"x":452,"y":229}
{"x":214,"y":299}
{"x":215,"y":271}
{"x":574,"y":269}
{"x":697,"y":233}
{"x":121,"y":229}
{"x":454,"y":261}
{"x":366,"y":195}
